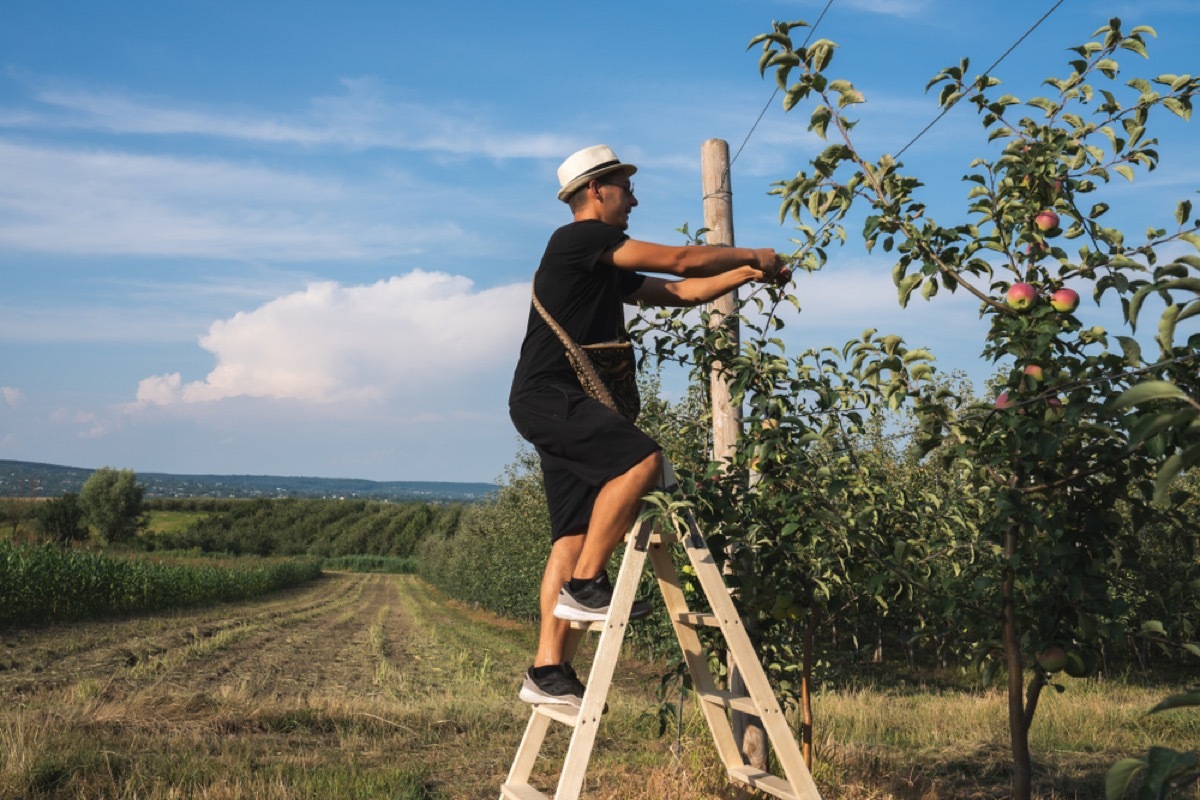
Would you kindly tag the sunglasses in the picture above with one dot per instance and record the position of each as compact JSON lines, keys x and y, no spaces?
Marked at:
{"x":627,"y":187}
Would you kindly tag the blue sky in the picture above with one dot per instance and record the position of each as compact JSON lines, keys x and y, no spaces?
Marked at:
{"x":296,"y":238}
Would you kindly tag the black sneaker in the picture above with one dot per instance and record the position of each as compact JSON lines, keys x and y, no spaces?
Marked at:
{"x":561,"y":686}
{"x":546,"y":690}
{"x":590,"y":604}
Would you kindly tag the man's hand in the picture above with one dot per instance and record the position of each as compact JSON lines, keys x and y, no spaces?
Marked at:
{"x":771,"y":267}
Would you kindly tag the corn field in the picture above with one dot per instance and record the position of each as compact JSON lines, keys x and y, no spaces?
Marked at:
{"x":46,"y":583}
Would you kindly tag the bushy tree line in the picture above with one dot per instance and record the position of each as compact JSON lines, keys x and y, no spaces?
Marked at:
{"x":856,"y":581}
{"x":327,"y":528}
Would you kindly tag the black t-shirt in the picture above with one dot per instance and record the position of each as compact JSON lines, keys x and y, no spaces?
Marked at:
{"x":582,"y":294}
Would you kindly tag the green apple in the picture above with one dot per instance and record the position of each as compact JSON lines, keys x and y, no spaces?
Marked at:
{"x":1052,"y":659}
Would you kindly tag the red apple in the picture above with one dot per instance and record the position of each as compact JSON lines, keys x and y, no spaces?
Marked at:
{"x":1065,"y":300}
{"x":1054,"y":410}
{"x":1046,"y":220}
{"x":1034,"y":371}
{"x":1021,"y":296}
{"x":1002,"y":401}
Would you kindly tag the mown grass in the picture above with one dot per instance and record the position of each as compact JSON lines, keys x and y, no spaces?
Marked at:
{"x":433,"y":715}
{"x":923,"y":743}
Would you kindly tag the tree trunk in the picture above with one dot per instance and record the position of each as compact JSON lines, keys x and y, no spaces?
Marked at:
{"x":806,"y":725}
{"x":1018,"y":728}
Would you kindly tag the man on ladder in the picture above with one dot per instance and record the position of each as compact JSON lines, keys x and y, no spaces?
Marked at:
{"x":596,"y":465}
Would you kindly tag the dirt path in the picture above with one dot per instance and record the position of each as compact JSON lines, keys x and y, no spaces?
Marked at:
{"x":353,"y":686}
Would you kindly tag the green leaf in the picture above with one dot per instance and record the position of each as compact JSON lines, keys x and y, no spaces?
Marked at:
{"x":1132,"y":350}
{"x":1174,"y":465}
{"x":1120,"y":775}
{"x":1151,"y":425}
{"x":1148,"y":391}
{"x":1180,"y":108}
{"x":1136,"y":46}
{"x":1183,"y":211}
{"x":1186,"y":699}
{"x":906,"y":288}
{"x":1124,"y":170}
{"x":1153,"y":626}
{"x":1166,"y":327}
{"x":919,"y":353}
{"x":820,"y":120}
{"x":1045,"y":104}
{"x":794,"y":95}
{"x":1163,"y":766}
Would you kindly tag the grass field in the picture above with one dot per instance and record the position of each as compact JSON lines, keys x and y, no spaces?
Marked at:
{"x":375,"y":686}
{"x":172,"y":521}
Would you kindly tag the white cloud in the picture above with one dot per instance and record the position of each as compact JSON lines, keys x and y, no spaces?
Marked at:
{"x":362,"y":116}
{"x":12,"y":397}
{"x":893,"y":8}
{"x":98,"y":202}
{"x":406,"y":336}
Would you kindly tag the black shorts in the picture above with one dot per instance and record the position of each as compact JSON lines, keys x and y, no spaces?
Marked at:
{"x":582,"y":443}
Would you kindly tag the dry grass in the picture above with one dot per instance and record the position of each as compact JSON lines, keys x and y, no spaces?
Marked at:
{"x":374,"y":686}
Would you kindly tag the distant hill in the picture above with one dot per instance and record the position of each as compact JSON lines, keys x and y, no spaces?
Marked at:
{"x":30,"y":479}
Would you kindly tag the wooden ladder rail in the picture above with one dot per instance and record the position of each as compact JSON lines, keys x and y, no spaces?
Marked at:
{"x":645,"y":540}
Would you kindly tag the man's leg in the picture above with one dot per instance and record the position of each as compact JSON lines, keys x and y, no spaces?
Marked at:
{"x":552,"y":633}
{"x":586,"y":556}
{"x":614,"y":512}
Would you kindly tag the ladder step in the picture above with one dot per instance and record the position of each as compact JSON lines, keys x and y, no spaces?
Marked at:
{"x":567,"y":715}
{"x":598,"y":625}
{"x":521,"y":791}
{"x":729,"y":700}
{"x":656,"y":537}
{"x":764,"y":781}
{"x":697,"y":619}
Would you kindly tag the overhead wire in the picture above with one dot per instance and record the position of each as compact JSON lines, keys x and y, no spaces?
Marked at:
{"x":986,"y":72}
{"x":771,"y":99}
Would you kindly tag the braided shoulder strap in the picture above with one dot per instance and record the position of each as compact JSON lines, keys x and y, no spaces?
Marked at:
{"x":584,"y":370}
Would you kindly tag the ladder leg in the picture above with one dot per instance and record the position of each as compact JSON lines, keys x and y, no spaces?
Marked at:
{"x":759,"y":688}
{"x":527,"y":753}
{"x":693,"y":652}
{"x":570,"y":782}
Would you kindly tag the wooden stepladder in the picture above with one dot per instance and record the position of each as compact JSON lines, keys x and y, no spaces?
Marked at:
{"x":647,"y":539}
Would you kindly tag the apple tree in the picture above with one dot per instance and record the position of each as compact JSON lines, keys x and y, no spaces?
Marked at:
{"x":806,"y":520}
{"x":1066,"y":473}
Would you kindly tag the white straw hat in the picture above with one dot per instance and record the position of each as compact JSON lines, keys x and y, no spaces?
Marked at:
{"x":587,"y":164}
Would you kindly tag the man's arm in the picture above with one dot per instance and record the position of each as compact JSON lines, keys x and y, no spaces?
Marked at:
{"x":692,"y":291}
{"x":692,"y":261}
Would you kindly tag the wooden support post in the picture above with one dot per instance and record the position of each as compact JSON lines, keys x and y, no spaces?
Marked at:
{"x":727,"y":419}
{"x":718,"y":218}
